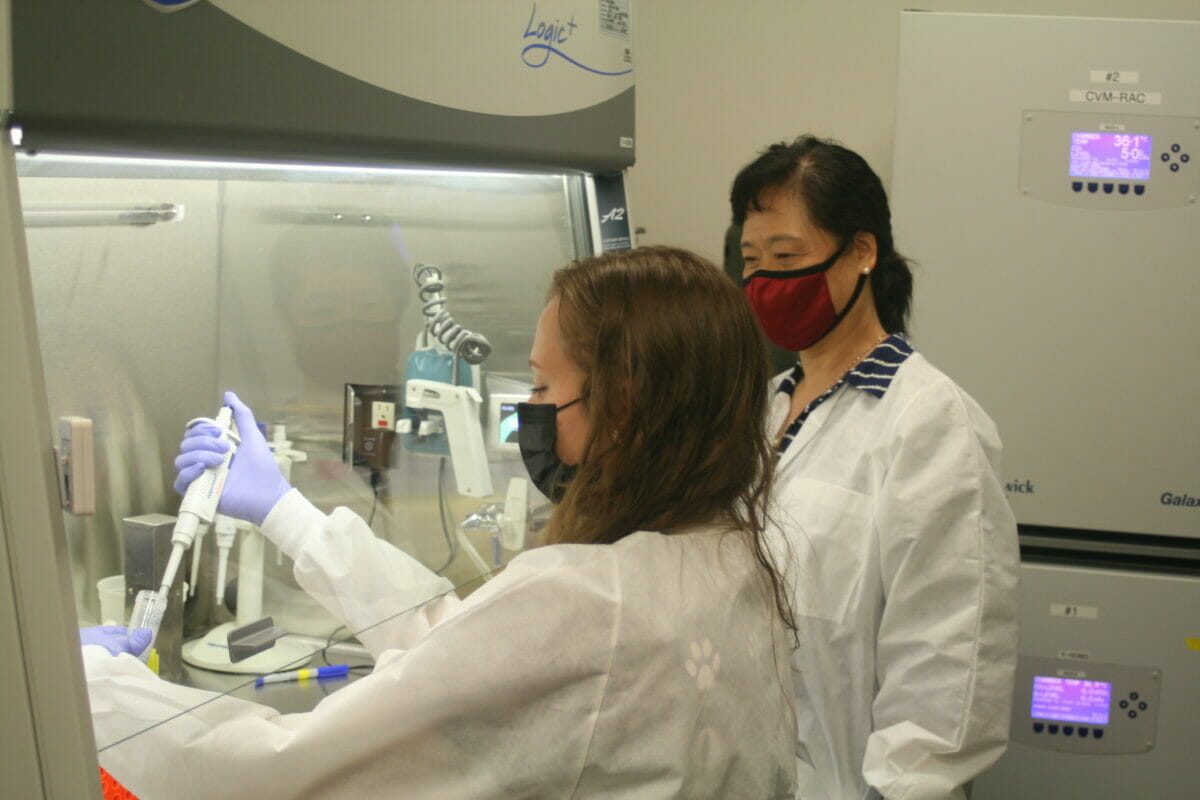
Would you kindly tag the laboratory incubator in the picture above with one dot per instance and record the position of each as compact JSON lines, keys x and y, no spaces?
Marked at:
{"x":211,"y":197}
{"x":1046,"y":187}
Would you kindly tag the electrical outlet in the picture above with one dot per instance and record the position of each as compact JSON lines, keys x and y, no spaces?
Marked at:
{"x":383,"y":414}
{"x":370,"y":424}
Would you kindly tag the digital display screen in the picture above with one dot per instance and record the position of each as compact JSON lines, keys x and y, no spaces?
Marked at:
{"x":1121,"y":156}
{"x":506,"y":431}
{"x":1070,"y":700}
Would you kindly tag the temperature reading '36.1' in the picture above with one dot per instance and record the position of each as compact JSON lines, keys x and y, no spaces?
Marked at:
{"x":1133,"y":148}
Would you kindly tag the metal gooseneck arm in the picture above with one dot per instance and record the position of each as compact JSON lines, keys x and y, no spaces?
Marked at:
{"x":470,"y":347}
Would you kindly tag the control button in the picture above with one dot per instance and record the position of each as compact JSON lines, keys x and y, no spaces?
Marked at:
{"x":1098,"y":733}
{"x":1139,"y":190}
{"x":1165,"y":157}
{"x":1124,"y":703}
{"x":1174,"y":168}
{"x":1077,"y":186}
{"x":1108,"y":187}
{"x":1054,"y":728}
{"x":1175,"y":148}
{"x":1068,"y":730}
{"x":1083,"y":732}
{"x":1093,"y":187}
{"x":1134,"y":695}
{"x":1132,"y":714}
{"x":1142,"y":706}
{"x":1038,"y":727}
{"x":1124,"y":188}
{"x":1185,"y":158}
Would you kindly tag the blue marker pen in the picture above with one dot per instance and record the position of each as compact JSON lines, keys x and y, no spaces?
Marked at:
{"x":303,"y":674}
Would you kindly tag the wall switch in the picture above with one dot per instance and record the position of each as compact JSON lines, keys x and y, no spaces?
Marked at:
{"x":75,"y":460}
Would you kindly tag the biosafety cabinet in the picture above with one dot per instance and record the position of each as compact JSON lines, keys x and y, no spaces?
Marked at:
{"x":1047,"y":186}
{"x":326,"y":207}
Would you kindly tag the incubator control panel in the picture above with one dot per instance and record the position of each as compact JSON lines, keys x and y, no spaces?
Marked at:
{"x":1105,"y":161}
{"x":1085,"y":707}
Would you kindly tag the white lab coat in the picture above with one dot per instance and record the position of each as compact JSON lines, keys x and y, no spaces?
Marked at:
{"x":904,"y":570}
{"x":653,"y":667}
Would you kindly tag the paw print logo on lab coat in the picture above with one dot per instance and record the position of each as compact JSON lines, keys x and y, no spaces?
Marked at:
{"x":704,"y":664}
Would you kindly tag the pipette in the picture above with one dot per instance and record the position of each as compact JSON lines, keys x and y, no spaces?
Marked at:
{"x":226,"y":529}
{"x":199,"y":504}
{"x":198,"y":508}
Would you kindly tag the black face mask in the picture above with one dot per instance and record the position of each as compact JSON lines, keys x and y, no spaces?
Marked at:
{"x":537,"y":428}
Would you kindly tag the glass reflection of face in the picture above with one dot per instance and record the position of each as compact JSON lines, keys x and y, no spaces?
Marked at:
{"x":330,"y":296}
{"x":343,"y":322}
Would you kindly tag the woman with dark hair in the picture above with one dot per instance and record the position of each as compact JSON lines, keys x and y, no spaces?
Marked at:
{"x":641,"y":651}
{"x":903,"y":549}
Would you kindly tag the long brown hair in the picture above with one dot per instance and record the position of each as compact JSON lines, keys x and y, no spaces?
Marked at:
{"x":675,"y":389}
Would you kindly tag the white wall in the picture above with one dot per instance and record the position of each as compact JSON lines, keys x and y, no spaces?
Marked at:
{"x":719,"y":79}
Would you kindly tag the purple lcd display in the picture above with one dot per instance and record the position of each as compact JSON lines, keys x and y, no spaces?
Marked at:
{"x":1111,"y":155}
{"x":1070,"y":700}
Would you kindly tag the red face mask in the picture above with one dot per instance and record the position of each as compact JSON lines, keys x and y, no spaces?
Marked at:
{"x":794,"y":307}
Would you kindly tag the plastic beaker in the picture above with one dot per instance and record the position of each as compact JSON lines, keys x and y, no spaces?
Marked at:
{"x":112,"y":599}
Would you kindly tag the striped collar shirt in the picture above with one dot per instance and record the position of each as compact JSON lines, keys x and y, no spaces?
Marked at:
{"x":873,"y":375}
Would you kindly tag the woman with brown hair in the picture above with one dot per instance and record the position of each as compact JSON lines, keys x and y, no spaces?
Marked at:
{"x":641,"y":651}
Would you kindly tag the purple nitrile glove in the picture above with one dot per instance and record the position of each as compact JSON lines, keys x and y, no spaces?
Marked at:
{"x":117,"y":639}
{"x":254,"y":484}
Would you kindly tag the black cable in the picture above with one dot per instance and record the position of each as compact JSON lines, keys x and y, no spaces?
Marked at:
{"x":375,"y":481}
{"x":443,"y":513}
{"x":329,"y":644}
